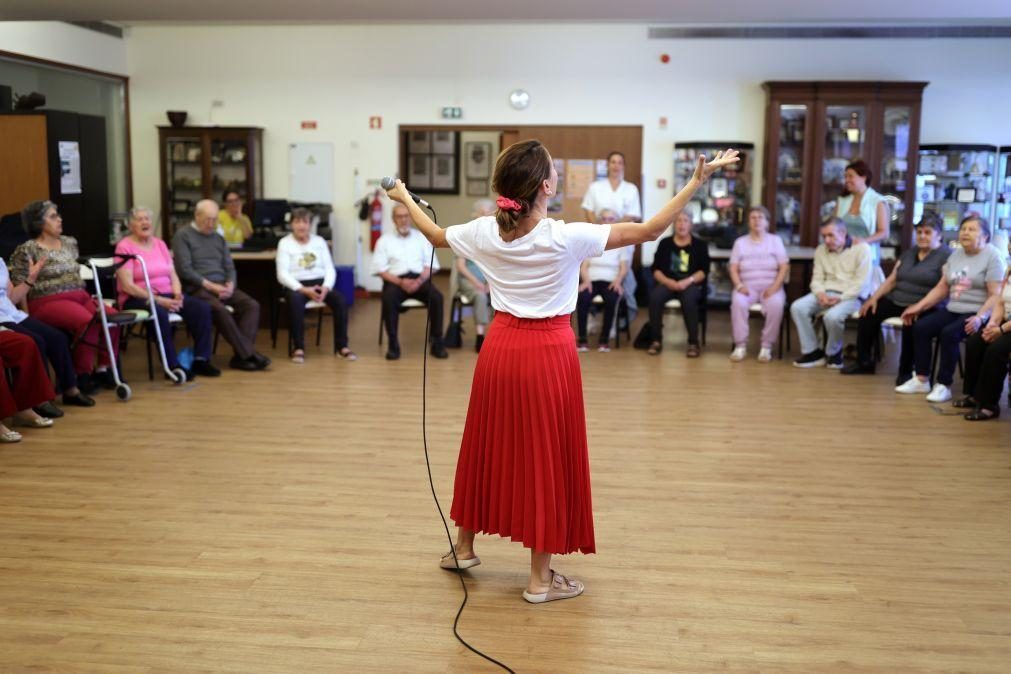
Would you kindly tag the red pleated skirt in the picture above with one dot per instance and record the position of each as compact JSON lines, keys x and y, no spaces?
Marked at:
{"x":524,"y":470}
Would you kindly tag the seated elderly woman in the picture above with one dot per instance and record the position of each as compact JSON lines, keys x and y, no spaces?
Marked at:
{"x":57,"y":296}
{"x":680,"y":269}
{"x":971,"y":275}
{"x":604,"y":276}
{"x":31,"y":385}
{"x":472,"y":284}
{"x":986,"y":357}
{"x":306,"y":270}
{"x":168,"y":293}
{"x":915,"y":273}
{"x":758,"y":269}
{"x":52,"y":343}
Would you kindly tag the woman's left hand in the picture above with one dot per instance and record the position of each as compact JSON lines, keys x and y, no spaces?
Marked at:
{"x":991,"y":332}
{"x":399,"y":192}
{"x":769,"y":292}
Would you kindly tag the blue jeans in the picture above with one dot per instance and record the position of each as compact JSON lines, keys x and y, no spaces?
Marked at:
{"x":803,"y":312}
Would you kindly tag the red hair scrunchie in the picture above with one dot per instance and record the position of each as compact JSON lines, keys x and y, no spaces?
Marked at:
{"x":507,"y":204}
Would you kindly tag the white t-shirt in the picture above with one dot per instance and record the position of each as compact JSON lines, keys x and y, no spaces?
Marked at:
{"x":537,"y":275}
{"x":401,"y":255}
{"x":624,"y":201}
{"x":303,"y":262}
{"x":605,"y":267}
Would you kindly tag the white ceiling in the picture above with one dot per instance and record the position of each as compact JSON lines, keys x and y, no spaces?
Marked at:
{"x":858,"y":12}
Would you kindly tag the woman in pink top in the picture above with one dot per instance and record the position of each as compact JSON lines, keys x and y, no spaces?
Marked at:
{"x":758,"y":269}
{"x":167,"y":290}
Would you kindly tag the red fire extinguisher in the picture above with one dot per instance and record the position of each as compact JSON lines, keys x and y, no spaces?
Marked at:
{"x":375,"y":220}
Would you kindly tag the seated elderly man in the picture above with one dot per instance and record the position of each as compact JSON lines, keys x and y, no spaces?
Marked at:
{"x":402,"y":259}
{"x":207,"y":272}
{"x":841,"y":278}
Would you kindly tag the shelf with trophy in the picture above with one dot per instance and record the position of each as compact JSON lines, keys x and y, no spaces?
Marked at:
{"x":1002,"y":209}
{"x":815,"y":129}
{"x":719,"y":208}
{"x":954,"y":180}
{"x":201,"y":162}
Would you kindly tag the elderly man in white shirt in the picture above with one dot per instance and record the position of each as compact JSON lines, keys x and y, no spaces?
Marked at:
{"x":402,"y":261}
{"x":840,"y":281}
{"x":614,"y":193}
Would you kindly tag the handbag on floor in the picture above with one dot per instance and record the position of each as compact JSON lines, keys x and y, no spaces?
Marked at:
{"x":642,"y":338}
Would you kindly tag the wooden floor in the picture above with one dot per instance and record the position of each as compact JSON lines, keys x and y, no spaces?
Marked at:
{"x":749,"y":518}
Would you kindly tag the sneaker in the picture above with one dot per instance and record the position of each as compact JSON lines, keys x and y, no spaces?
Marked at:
{"x":814,"y":359}
{"x":939,"y":394}
{"x":860,"y":368}
{"x":582,"y":347}
{"x":834,"y":362}
{"x":738,"y":354}
{"x":765,"y":355}
{"x":913,"y":385}
{"x":604,"y":348}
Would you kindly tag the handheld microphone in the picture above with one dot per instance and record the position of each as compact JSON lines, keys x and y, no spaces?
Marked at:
{"x":387,"y":184}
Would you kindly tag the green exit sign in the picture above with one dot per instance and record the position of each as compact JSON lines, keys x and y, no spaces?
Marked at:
{"x":452,"y":113}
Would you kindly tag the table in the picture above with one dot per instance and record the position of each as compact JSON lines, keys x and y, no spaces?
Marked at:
{"x":257,"y":277}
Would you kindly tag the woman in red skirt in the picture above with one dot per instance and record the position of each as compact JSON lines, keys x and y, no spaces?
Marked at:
{"x":20,"y":356}
{"x":523,"y":470}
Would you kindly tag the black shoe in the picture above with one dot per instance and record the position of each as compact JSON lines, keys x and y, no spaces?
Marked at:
{"x":237,"y":363}
{"x":204,"y":368}
{"x":261,"y":361}
{"x":814,"y":359}
{"x":80,"y":400}
{"x":834,"y":362}
{"x":478,"y":343}
{"x":87,"y":384}
{"x":106,"y":380}
{"x":860,"y":368}
{"x":393,"y":354}
{"x":48,"y":410}
{"x":438,"y":350}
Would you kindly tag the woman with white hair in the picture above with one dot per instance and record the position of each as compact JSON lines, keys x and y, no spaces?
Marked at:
{"x":168,"y":292}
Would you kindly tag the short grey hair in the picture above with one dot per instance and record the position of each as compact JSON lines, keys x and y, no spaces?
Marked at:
{"x":33,"y":216}
{"x":137,"y":211}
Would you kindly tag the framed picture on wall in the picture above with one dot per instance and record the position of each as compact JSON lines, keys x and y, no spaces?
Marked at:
{"x":477,"y":187}
{"x":443,"y":142}
{"x":419,"y":142}
{"x":443,"y":172}
{"x":477,"y":160}
{"x":419,"y":172}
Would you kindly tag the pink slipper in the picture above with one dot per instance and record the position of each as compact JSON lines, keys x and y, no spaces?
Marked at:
{"x":561,"y":588}
{"x":447,"y":562}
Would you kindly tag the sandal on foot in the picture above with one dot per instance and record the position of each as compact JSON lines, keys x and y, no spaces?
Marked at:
{"x":655,"y":348}
{"x":10,"y":436}
{"x":561,"y":588}
{"x":298,"y":357}
{"x":447,"y":562}
{"x":347,"y":354}
{"x":965,"y":402}
{"x":982,"y":414}
{"x":36,"y":422}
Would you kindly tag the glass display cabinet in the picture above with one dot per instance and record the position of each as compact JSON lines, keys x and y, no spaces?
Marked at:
{"x":814,"y":129}
{"x":200,"y":162}
{"x":954,"y":180}
{"x":727,"y":195}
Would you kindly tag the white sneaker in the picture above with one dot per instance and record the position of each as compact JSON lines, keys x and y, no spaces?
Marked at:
{"x":940,"y":394}
{"x":738,"y":354}
{"x":765,"y":355}
{"x":914,"y":385}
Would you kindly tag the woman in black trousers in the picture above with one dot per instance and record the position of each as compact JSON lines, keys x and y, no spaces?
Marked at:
{"x":986,"y":360}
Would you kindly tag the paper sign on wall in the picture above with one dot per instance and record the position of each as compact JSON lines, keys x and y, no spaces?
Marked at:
{"x":311,"y":176}
{"x":70,"y":167}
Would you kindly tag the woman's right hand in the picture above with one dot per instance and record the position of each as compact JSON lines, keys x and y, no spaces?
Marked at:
{"x":909,"y":314}
{"x":585,"y":286}
{"x":399,"y":192}
{"x":743,"y":289}
{"x":35,"y":267}
{"x":869,"y":307}
{"x":704,"y":169}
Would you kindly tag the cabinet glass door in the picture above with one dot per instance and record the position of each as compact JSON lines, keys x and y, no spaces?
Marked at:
{"x":894,"y":182}
{"x":845,"y":135}
{"x":790,"y":170}
{"x":228,"y":167}
{"x":184,"y":159}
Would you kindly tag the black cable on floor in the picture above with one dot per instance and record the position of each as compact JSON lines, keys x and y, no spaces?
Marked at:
{"x":431,"y":482}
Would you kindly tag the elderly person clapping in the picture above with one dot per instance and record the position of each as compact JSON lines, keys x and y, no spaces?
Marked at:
{"x":168,"y":292}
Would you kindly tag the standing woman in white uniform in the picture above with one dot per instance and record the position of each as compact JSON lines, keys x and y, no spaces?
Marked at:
{"x":523,"y":471}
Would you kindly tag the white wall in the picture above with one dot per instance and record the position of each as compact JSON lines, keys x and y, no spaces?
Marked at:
{"x":576,"y":74}
{"x":65,"y":43}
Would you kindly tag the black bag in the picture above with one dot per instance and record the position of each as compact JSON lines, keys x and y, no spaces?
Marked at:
{"x":453,"y":338}
{"x":643,"y":339}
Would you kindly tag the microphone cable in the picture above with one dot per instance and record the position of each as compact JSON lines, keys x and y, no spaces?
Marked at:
{"x":428,"y":466}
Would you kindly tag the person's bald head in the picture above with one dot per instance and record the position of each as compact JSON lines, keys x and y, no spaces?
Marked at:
{"x":402,"y":219}
{"x":206,"y":215}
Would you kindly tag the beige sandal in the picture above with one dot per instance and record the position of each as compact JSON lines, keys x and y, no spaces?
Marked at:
{"x":298,"y":357}
{"x":561,"y":588}
{"x":9,"y":436}
{"x":447,"y":562}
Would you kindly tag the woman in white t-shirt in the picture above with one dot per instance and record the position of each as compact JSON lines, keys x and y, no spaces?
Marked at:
{"x":523,"y":470}
{"x":602,"y":275}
